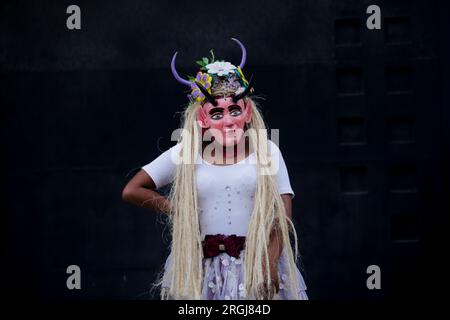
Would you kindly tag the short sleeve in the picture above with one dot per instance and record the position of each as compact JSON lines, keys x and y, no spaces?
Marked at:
{"x":282,"y":175}
{"x":162,"y":169}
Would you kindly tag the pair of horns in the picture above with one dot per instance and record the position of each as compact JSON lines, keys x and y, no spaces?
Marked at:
{"x":202,"y":89}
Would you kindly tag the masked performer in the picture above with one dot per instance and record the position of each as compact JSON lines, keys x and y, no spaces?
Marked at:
{"x":229,"y":206}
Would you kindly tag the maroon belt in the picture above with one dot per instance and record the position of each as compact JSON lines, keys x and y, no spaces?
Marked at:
{"x":215,"y":244}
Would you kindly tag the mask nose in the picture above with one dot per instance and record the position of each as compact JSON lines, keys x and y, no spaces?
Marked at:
{"x":228,"y":120}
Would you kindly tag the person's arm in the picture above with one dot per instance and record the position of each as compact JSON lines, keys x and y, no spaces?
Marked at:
{"x":287,"y":200}
{"x":276,"y":244}
{"x":140,"y":190}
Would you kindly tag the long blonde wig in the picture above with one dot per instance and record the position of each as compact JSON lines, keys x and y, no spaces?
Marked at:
{"x":268,"y":215}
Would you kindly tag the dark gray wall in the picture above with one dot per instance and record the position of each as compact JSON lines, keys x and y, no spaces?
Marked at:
{"x":363,"y":117}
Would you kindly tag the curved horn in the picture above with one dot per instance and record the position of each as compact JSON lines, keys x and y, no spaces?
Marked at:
{"x":245,"y":92}
{"x":207,"y":95}
{"x":175,"y":73}
{"x":244,"y":53}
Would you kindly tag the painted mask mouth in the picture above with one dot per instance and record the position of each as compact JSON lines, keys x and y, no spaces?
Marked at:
{"x":230,"y":132}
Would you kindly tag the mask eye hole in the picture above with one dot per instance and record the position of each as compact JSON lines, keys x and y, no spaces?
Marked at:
{"x":216,"y":113}
{"x":235,"y":110}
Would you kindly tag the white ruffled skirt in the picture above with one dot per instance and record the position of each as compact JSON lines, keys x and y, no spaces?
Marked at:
{"x":224,"y":278}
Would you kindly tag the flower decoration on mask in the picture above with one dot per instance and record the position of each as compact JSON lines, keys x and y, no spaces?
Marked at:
{"x":242,"y":77}
{"x":222,"y":69}
{"x":216,"y":78}
{"x":205,"y":80}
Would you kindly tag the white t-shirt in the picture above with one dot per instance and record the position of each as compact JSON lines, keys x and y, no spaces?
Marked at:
{"x":226,"y":193}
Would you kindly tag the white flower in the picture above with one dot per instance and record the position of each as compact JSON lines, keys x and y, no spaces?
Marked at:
{"x":242,"y":292}
{"x":212,"y":286}
{"x":240,"y":90}
{"x":225,"y":262}
{"x":220,"y":68}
